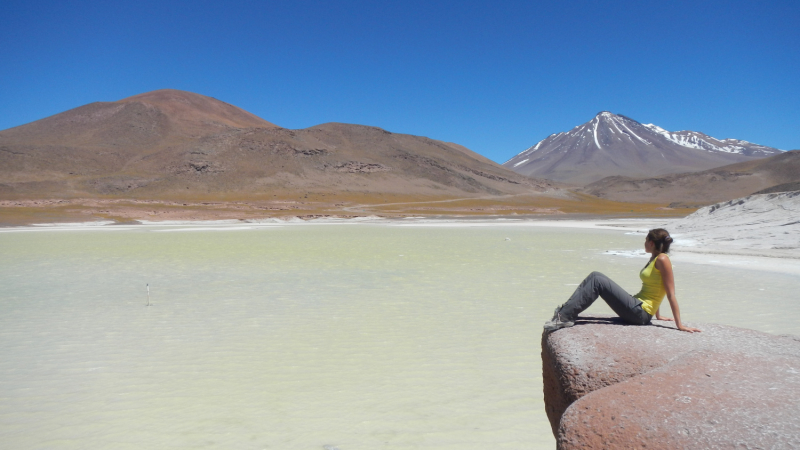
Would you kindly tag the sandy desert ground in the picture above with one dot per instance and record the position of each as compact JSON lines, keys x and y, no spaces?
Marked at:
{"x":314,"y":206}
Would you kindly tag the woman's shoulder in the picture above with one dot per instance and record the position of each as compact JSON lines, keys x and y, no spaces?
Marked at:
{"x":662,"y":261}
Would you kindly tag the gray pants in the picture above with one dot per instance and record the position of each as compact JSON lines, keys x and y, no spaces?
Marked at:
{"x":599,"y":285}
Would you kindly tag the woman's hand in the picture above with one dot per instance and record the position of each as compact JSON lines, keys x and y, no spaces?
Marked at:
{"x":660,"y":317}
{"x":688,"y":329}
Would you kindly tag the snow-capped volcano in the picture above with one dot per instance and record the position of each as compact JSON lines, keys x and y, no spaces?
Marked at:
{"x":612,"y":144}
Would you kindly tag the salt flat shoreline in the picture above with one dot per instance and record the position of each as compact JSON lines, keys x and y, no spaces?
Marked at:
{"x":760,"y":259}
{"x":633,"y":225}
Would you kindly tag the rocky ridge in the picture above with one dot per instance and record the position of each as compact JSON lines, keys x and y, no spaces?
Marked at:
{"x":778,"y":173}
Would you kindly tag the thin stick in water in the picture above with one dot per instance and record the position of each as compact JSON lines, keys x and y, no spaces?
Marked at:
{"x":148,"y":294}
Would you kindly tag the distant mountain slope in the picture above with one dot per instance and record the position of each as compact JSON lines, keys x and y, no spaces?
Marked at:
{"x":612,"y":144}
{"x":171,"y":143}
{"x":706,"y":187}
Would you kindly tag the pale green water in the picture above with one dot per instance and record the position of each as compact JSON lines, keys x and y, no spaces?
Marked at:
{"x":297,"y":337}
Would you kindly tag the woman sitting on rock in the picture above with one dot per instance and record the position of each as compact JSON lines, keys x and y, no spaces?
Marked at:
{"x":639,"y":309}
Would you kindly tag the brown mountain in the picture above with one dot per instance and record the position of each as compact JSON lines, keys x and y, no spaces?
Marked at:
{"x":773,"y":174}
{"x":172,"y":144}
{"x":615,"y":145}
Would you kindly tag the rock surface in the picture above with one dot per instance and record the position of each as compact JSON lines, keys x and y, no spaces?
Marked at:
{"x":611,"y":385}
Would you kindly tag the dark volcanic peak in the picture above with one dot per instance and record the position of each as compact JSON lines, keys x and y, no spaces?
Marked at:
{"x":612,"y":144}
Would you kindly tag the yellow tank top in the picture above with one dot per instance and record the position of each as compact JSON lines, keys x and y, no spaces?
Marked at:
{"x":653,"y":291}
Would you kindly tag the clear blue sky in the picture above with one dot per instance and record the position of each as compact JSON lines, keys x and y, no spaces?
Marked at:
{"x":494,"y":76}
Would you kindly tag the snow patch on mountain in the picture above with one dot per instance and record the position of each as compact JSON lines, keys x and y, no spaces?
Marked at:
{"x":521,"y":162}
{"x":596,"y":122}
{"x":630,"y":132}
{"x":700,"y":141}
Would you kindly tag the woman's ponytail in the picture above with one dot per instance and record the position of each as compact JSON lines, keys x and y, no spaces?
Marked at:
{"x":660,"y":238}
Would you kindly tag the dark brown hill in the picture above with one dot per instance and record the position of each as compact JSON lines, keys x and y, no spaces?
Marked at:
{"x":173,"y":144}
{"x":195,"y":110}
{"x":704,"y":188}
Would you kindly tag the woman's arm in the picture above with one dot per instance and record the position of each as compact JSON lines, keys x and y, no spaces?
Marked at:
{"x":660,"y":317}
{"x":664,"y":265}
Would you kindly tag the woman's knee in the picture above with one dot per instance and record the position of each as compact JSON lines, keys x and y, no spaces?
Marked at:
{"x":596,"y":275}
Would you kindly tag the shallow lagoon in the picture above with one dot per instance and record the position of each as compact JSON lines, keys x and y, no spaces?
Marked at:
{"x":353,"y":336}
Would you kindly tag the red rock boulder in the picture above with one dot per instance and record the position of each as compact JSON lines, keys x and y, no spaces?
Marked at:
{"x":612,"y":385}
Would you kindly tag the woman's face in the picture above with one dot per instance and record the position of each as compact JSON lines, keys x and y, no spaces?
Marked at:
{"x":648,"y":245}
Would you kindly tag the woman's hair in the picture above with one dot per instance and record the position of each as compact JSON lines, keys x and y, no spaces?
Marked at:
{"x":660,"y":238}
